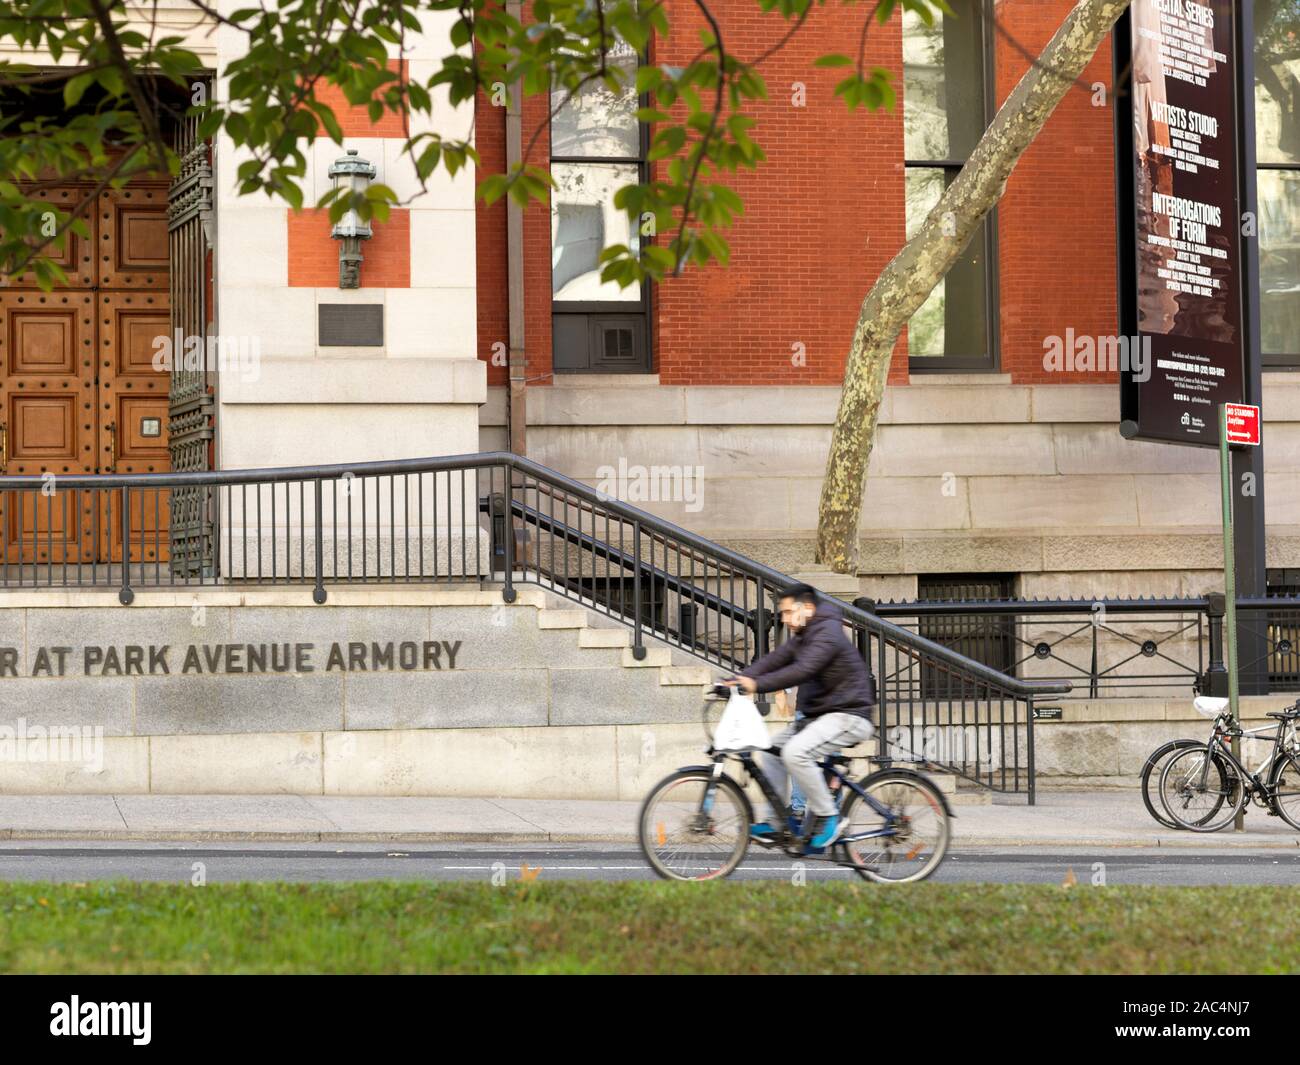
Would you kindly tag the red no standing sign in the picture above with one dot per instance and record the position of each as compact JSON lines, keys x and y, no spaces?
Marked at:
{"x":1243,"y":424}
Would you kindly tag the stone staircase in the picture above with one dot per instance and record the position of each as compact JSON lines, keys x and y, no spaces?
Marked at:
{"x":675,"y":672}
{"x":676,"y":668}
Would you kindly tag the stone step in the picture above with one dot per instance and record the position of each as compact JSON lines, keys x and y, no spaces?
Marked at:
{"x":561,"y":619}
{"x":604,"y":638}
{"x":654,"y":656}
{"x":947,"y":782}
{"x":697,"y":675}
{"x":974,"y":797}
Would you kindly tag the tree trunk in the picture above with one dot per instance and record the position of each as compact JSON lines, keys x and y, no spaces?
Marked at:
{"x":923,"y":261}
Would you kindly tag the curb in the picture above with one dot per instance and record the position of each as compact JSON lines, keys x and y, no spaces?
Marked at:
{"x":241,"y":836}
{"x":1188,"y":841}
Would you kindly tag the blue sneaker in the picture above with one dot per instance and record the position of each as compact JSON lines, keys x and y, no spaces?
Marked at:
{"x":762,"y":832}
{"x":823,"y":833}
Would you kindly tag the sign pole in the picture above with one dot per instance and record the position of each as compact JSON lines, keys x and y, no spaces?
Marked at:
{"x":1230,"y":590}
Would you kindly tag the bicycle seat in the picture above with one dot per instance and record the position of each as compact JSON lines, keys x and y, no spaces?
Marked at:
{"x":1284,"y":715}
{"x":1209,"y":705}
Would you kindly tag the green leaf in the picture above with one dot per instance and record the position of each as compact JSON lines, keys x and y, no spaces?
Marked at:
{"x":75,"y":87}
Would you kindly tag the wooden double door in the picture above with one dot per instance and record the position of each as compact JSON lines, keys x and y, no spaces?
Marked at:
{"x":83,"y":389}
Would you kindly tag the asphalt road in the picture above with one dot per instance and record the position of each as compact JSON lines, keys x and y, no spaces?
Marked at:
{"x":217,"y":862}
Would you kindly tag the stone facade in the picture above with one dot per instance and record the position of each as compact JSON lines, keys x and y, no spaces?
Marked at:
{"x":968,"y":475}
{"x":412,"y":692}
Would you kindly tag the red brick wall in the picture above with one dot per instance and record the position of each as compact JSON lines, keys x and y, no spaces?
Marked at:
{"x":1056,"y":223}
{"x":537,"y":247}
{"x":825,"y":213}
{"x":490,"y":243}
{"x":493,"y":299}
{"x":314,"y":254}
{"x":355,"y":120}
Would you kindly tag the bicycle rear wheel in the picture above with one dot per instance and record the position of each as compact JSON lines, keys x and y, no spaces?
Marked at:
{"x":1155,"y":763}
{"x":1201,"y":807}
{"x":921,"y":839}
{"x":681,"y":839}
{"x":1285,"y":784}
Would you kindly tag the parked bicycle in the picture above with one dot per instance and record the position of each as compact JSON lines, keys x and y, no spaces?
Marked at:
{"x":1203,"y":787}
{"x":694,"y":824}
{"x":1151,"y":771}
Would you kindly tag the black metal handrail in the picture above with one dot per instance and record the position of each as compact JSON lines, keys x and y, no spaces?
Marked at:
{"x":433,"y":519}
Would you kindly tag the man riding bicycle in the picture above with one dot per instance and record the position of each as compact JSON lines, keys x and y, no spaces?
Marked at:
{"x":836,"y":694}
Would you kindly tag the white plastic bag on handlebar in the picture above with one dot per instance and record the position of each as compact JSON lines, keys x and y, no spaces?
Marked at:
{"x":741,"y":727}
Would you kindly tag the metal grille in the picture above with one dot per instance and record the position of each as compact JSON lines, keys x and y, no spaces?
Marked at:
{"x":190,"y":429}
{"x":986,"y":638}
{"x":1282,"y":631}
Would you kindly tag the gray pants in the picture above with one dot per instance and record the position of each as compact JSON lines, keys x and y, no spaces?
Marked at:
{"x":802,"y":744}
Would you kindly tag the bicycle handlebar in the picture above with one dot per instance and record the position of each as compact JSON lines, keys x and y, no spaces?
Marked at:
{"x":723,"y":691}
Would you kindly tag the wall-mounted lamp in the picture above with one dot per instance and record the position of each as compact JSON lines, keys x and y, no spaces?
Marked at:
{"x":351,"y":174}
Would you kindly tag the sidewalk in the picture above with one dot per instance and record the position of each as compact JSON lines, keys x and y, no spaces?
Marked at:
{"x":1060,"y":819}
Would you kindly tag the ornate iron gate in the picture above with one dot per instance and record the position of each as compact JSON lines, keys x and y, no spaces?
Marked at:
{"x":190,"y":423}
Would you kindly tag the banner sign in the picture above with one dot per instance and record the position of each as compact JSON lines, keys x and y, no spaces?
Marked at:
{"x":1180,"y":223}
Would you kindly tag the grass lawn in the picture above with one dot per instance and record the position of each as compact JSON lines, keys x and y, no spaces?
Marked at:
{"x":538,"y":927}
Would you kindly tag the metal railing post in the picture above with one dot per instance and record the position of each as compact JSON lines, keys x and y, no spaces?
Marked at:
{"x":1094,"y":679}
{"x":318,"y":593}
{"x":861,"y":637}
{"x":1029,"y":745}
{"x":864,"y":646}
{"x":125,"y":596}
{"x":508,"y":534}
{"x":1215,"y":681}
{"x":638,"y":646}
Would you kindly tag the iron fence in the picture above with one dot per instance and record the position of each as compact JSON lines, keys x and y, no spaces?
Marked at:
{"x":1117,"y":648}
{"x":501,"y":518}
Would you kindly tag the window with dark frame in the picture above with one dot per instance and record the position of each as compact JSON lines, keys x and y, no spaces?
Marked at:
{"x":946,"y":94}
{"x":1277,"y":174}
{"x":597,"y":146}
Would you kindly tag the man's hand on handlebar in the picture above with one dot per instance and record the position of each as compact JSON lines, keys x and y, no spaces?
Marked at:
{"x":745,"y":684}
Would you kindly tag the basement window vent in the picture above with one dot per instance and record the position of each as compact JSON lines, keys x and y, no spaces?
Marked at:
{"x":987,"y":638}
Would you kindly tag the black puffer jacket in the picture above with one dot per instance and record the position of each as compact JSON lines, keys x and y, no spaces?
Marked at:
{"x":823,"y":662}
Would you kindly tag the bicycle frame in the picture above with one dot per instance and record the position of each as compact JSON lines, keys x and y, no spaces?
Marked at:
{"x":1289,"y":745}
{"x":1284,"y":740}
{"x":782,"y":807}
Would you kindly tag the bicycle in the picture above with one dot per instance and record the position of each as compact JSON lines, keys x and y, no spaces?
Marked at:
{"x":1155,"y":759}
{"x":895,"y":820}
{"x":1198,"y":784}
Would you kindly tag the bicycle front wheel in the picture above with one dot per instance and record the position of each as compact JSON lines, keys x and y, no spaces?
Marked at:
{"x":1200,"y":797}
{"x":922,"y":828}
{"x":1284,"y":783}
{"x":1151,"y":775}
{"x":692,"y":827}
